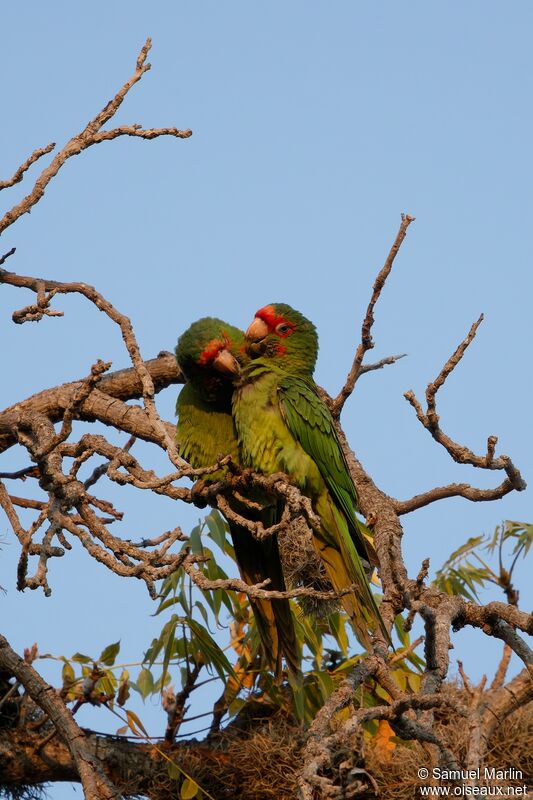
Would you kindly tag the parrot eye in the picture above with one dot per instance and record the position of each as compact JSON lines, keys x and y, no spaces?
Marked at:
{"x":283,"y":328}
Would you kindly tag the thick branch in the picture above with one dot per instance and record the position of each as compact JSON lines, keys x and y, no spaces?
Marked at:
{"x":515,"y":694}
{"x":106,"y":404}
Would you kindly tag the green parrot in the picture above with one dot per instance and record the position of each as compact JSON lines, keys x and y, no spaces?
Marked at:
{"x":208,"y":354}
{"x":283,"y":425}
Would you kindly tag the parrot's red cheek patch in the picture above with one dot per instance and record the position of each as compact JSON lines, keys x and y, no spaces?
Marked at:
{"x":281,"y":349}
{"x":210,"y":351}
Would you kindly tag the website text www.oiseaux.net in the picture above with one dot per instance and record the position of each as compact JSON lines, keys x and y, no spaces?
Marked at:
{"x":473,"y":783}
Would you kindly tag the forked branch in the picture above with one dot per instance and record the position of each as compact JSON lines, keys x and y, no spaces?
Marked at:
{"x":91,"y":134}
{"x":367,"y":342}
{"x":461,"y":454}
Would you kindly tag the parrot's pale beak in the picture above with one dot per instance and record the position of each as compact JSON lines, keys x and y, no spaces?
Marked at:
{"x":225,"y":362}
{"x":257,"y":330}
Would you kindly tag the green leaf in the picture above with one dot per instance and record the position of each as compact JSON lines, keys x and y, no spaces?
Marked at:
{"x":338,"y":629}
{"x":325,"y":683}
{"x":81,"y":659}
{"x":68,"y":674}
{"x":168,"y":603}
{"x":145,"y":682}
{"x":195,"y":540}
{"x":201,"y":608}
{"x":210,"y":650}
{"x":168,"y":637}
{"x":108,"y":683}
{"x":109,"y":653}
{"x":298,"y":696}
{"x":135,"y":723}
{"x":403,"y":636}
{"x":189,"y":789}
{"x":161,"y":682}
{"x":174,"y":772}
{"x":217,"y":529}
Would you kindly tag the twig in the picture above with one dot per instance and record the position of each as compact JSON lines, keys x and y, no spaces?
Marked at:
{"x":501,"y":672}
{"x":6,"y":255}
{"x":19,"y":174}
{"x":22,"y":474}
{"x":366,"y":336}
{"x":401,"y":654}
{"x":256,"y":590}
{"x":383,"y":362}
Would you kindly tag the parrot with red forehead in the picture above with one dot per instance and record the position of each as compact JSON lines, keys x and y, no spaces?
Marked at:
{"x":283,"y":425}
{"x":208,"y":354}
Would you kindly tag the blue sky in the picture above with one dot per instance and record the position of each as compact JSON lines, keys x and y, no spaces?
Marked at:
{"x":315,"y":125}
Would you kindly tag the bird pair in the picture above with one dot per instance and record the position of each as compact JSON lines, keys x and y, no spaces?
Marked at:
{"x":252,"y":396}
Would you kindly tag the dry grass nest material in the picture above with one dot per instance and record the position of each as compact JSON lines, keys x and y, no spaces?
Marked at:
{"x":264,"y":763}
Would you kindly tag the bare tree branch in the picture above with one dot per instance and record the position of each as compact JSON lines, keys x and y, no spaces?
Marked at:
{"x":46,"y":290}
{"x":383,"y":362}
{"x":366,"y":330}
{"x":7,"y":255}
{"x":106,"y":404}
{"x":19,"y":174}
{"x":459,"y":453}
{"x":88,"y":136}
{"x":454,"y":490}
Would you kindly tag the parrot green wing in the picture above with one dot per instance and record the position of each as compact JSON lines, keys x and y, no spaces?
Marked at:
{"x":203,"y":432}
{"x":311,"y":424}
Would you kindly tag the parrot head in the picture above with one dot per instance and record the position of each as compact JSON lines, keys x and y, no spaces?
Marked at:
{"x":210,"y":354}
{"x":282,"y":333}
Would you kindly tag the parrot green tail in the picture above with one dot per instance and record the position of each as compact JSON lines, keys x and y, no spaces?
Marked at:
{"x":345,"y":568}
{"x":259,"y":560}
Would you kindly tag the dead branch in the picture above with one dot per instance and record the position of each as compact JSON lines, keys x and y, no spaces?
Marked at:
{"x":256,"y":590}
{"x":455,"y":490}
{"x":46,"y":290}
{"x":19,"y":174}
{"x":89,"y":136}
{"x":459,"y":453}
{"x":105,"y":404}
{"x":9,"y":253}
{"x":501,"y":672}
{"x":367,"y":342}
{"x":174,"y":704}
{"x":20,"y":474}
{"x":383,"y":362}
